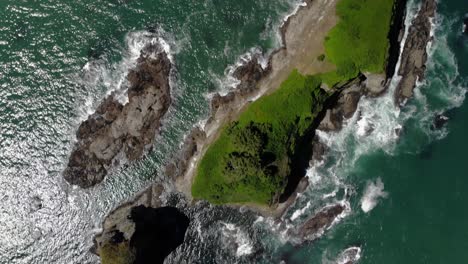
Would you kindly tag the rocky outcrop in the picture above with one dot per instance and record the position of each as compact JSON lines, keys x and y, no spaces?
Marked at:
{"x":321,"y":221}
{"x":414,"y":55}
{"x":249,"y":75}
{"x":117,"y":128}
{"x":345,"y":105}
{"x":148,"y":236}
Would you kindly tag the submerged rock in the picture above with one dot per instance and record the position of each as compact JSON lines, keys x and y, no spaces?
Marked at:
{"x":351,"y":255}
{"x":414,"y":56}
{"x":143,"y":235}
{"x":128,"y":128}
{"x":439,"y":121}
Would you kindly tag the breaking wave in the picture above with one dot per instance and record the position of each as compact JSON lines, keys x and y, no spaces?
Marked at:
{"x":233,"y":236}
{"x":374,"y":191}
{"x":112,"y":77}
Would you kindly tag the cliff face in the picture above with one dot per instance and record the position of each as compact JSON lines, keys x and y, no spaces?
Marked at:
{"x":122,"y":128}
{"x":414,"y":56}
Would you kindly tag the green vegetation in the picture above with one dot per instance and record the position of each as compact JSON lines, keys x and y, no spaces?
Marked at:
{"x":250,"y":161}
{"x":116,"y":253}
{"x":359,"y":42}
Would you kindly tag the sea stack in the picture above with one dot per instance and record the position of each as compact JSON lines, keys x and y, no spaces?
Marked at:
{"x":123,"y":130}
{"x":414,"y":55}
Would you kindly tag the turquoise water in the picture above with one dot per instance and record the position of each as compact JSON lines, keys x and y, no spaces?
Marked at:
{"x":59,"y":58}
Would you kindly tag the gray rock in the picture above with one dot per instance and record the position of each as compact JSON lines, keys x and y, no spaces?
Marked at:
{"x":414,"y":56}
{"x":115,"y":128}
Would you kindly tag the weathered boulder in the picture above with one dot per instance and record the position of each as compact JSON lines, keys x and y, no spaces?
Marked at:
{"x":128,"y":128}
{"x":321,"y":221}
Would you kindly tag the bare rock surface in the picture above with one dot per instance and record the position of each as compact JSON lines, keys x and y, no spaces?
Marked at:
{"x":414,"y":55}
{"x":321,"y":221}
{"x":128,"y":128}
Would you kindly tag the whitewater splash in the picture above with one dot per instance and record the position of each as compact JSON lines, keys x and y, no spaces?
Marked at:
{"x":374,"y":191}
{"x":229,"y":82}
{"x":349,"y":256}
{"x":233,"y":236}
{"x":112,"y":78}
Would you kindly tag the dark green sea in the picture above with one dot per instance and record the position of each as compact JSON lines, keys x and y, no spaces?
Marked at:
{"x":405,"y":183}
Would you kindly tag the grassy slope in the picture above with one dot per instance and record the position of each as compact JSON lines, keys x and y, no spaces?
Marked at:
{"x":358,"y":43}
{"x":249,"y":163}
{"x":282,"y":117}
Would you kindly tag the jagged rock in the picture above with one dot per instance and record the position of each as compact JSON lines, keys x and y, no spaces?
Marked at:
{"x":249,"y":75}
{"x":414,"y":56}
{"x":320,"y":222}
{"x":376,"y":84}
{"x":439,"y":121}
{"x":116,"y":128}
{"x":155,"y":233}
{"x":345,"y":105}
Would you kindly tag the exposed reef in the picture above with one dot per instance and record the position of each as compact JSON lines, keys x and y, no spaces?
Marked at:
{"x":321,"y":221}
{"x":414,"y":55}
{"x":128,"y":128}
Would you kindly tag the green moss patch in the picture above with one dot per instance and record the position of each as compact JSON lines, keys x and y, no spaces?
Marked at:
{"x":116,"y":253}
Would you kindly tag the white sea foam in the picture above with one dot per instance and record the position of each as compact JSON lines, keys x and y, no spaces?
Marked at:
{"x":374,"y":191}
{"x":229,"y":82}
{"x":349,"y":255}
{"x":235,"y":236}
{"x":113,"y":78}
{"x":300,"y":212}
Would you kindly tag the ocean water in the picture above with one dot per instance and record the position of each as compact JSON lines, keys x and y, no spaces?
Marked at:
{"x":406,"y":191}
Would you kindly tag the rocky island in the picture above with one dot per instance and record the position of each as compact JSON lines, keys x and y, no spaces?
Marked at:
{"x":259,"y":138}
{"x":123,"y":129}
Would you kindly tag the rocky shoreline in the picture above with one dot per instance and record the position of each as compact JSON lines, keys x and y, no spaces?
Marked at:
{"x":117,"y":130}
{"x":253,"y":80}
{"x":414,"y":55}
